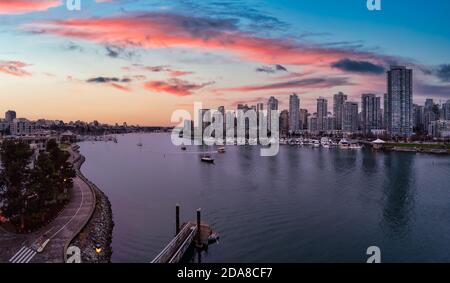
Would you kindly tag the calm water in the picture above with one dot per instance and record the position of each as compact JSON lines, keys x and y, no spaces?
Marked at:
{"x":303,"y":205}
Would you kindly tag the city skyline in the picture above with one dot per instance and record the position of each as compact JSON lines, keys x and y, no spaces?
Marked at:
{"x":229,"y":53}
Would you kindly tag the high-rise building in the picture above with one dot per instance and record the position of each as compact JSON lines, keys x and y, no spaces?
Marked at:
{"x":385,"y":111}
{"x":10,"y":115}
{"x":418,"y":118}
{"x":322,"y":113}
{"x":330,"y":123}
{"x":338,"y":107}
{"x":312,"y":123}
{"x":446,"y":110}
{"x":272,"y":106}
{"x":350,"y":117}
{"x":429,"y":114}
{"x":303,"y":119}
{"x":204,"y":119}
{"x":221,"y":109}
{"x":371,"y":111}
{"x":399,"y":101}
{"x":294,"y":108}
{"x":284,"y":122}
{"x":259,"y":107}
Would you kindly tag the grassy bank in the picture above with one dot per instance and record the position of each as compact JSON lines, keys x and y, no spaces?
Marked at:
{"x":419,"y":146}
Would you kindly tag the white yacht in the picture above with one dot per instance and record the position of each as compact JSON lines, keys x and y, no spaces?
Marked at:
{"x":344,"y":144}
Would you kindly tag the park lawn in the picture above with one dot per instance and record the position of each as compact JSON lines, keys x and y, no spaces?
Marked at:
{"x":64,"y":146}
{"x":420,"y":145}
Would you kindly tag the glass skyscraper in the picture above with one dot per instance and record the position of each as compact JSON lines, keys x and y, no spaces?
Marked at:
{"x":399,"y":101}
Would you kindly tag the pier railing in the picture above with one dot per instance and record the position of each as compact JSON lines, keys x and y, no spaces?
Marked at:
{"x":174,"y":251}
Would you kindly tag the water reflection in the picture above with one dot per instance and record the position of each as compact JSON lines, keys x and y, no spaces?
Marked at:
{"x":399,"y":194}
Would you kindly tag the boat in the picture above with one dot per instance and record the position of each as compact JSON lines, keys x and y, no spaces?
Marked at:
{"x":207,"y":159}
{"x":315,"y":143}
{"x":221,"y":149}
{"x":344,"y":144}
{"x":355,"y":146}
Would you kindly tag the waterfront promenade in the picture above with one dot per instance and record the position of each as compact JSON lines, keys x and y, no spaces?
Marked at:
{"x":59,"y":232}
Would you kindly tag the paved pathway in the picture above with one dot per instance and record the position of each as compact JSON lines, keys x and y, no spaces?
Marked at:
{"x":59,"y":232}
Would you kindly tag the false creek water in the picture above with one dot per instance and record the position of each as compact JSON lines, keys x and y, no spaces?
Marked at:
{"x":302,"y":205}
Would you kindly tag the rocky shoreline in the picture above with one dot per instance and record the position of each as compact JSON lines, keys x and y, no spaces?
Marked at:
{"x":98,"y":230}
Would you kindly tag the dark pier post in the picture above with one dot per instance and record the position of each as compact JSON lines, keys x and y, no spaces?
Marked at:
{"x":177,"y":213}
{"x":198,"y":227}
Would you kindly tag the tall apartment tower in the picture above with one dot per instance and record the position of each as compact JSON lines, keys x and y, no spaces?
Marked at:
{"x":322,"y":113}
{"x":350,"y":117}
{"x":338,"y":109}
{"x":294,"y":108}
{"x":446,"y":110}
{"x":399,"y":101}
{"x":371,"y":112}
{"x":303,"y":118}
{"x":272,"y":105}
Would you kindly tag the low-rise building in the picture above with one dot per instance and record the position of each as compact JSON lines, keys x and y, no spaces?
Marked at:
{"x":22,"y":126}
{"x":439,"y":129}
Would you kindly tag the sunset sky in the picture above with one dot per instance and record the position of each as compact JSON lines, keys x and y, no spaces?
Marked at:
{"x":137,"y":61}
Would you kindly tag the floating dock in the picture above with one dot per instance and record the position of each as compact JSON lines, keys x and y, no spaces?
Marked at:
{"x":190,"y":233}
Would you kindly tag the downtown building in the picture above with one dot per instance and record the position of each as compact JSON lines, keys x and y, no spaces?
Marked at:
{"x":312,"y":124}
{"x":446,"y":110}
{"x":338,"y":109}
{"x":303,"y":119}
{"x":371,"y":117}
{"x":272,"y":106}
{"x":418,"y":118}
{"x":294,"y":117}
{"x":439,"y":129}
{"x":430,"y":112}
{"x":21,"y":127}
{"x":322,"y":114}
{"x":284,"y":123}
{"x":399,"y":102}
{"x":350,"y":119}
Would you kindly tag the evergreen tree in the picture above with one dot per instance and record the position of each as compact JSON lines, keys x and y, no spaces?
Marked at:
{"x":14,"y":180}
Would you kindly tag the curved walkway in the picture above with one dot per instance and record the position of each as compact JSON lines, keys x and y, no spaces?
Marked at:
{"x":61,"y":231}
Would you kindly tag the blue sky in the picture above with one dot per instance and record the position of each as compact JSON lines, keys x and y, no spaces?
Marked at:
{"x":137,"y":61}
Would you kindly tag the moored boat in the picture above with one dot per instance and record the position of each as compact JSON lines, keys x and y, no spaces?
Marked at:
{"x":207,"y":159}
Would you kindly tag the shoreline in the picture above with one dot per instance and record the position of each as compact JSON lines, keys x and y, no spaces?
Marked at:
{"x":98,"y":229}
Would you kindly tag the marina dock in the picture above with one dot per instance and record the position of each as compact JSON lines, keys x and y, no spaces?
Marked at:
{"x":190,"y":233}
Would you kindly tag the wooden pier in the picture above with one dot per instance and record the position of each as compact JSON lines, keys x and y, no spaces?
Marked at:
{"x":189,"y":233}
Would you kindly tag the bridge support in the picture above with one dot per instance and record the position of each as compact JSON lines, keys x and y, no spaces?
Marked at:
{"x":198,"y":238}
{"x":177,"y":215}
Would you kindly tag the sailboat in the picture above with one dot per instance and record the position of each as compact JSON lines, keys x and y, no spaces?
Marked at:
{"x":140,"y":142}
{"x":206,"y":157}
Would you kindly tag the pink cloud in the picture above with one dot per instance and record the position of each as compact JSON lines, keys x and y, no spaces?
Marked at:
{"x":174,"y":86}
{"x":26,"y":6}
{"x":14,"y":68}
{"x":120,"y":87}
{"x":155,"y":30}
{"x":306,"y":83}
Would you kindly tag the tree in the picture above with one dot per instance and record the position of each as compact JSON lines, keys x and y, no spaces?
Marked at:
{"x":14,"y":180}
{"x":29,"y":196}
{"x":64,"y":172}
